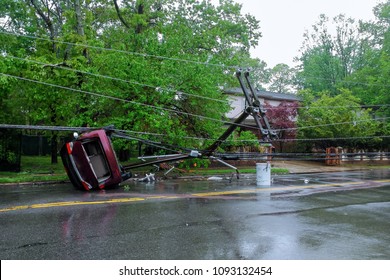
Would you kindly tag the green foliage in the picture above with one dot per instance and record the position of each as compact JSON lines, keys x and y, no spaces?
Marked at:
{"x":194,"y":163}
{"x":282,"y":78}
{"x":241,"y":140}
{"x":339,"y":117}
{"x":12,"y":158}
{"x":356,"y":57}
{"x":159,"y":65}
{"x":155,"y":79}
{"x":327,"y":58}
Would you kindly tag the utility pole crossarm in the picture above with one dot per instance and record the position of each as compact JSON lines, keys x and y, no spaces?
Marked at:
{"x":262,"y":111}
{"x":254,"y":109}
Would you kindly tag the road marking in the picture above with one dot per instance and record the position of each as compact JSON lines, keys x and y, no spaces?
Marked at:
{"x":71,"y":203}
{"x":193,"y":195}
{"x":270,"y":189}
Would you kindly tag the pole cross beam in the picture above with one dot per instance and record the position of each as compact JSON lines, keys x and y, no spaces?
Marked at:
{"x":254,"y":108}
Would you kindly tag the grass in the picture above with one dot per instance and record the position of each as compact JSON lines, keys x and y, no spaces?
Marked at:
{"x":35,"y":169}
{"x":40,"y":169}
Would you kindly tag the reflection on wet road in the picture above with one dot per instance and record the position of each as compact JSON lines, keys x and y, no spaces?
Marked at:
{"x":315,"y":216}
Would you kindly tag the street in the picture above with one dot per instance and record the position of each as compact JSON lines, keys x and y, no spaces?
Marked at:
{"x":338,"y":215}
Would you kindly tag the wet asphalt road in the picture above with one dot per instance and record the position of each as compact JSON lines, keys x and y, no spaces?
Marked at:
{"x":343,"y":215}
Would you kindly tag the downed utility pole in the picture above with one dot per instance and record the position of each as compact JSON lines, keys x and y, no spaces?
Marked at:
{"x":91,"y":162}
{"x":254,"y":108}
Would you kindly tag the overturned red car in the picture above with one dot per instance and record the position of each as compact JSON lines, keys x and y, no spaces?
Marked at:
{"x":91,"y":163}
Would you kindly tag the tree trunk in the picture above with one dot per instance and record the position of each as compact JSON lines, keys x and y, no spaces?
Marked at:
{"x":54,"y":142}
{"x":54,"y":137}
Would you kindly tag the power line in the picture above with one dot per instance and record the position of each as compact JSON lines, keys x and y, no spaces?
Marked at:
{"x":119,"y":51}
{"x":340,"y":81}
{"x":344,"y":156}
{"x":178,"y":91}
{"x":165,"y":57}
{"x":46,"y":127}
{"x":320,"y":156}
{"x":348,"y":82}
{"x":84,"y":129}
{"x":314,"y":139}
{"x":168,"y":58}
{"x":331,"y":124}
{"x":123,"y":100}
{"x":270,"y":107}
{"x":333,"y":138}
{"x":257,"y":141}
{"x":166,"y":109}
{"x":158,"y":88}
{"x":116,"y":79}
{"x":172,"y":110}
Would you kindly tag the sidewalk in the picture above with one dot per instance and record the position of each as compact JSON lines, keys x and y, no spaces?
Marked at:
{"x":316,"y":167}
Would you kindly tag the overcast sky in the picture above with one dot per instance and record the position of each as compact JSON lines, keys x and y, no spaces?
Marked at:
{"x":283,"y":22}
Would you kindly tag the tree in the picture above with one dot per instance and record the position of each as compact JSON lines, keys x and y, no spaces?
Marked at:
{"x":198,"y":38}
{"x":326,"y":59}
{"x":356,"y":58}
{"x":371,"y":82}
{"x":61,"y":21}
{"x":337,"y":121}
{"x":160,"y":64}
{"x":282,"y":119}
{"x":282,"y":78}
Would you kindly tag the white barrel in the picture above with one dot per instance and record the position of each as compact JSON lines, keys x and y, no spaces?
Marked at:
{"x":263,"y":174}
